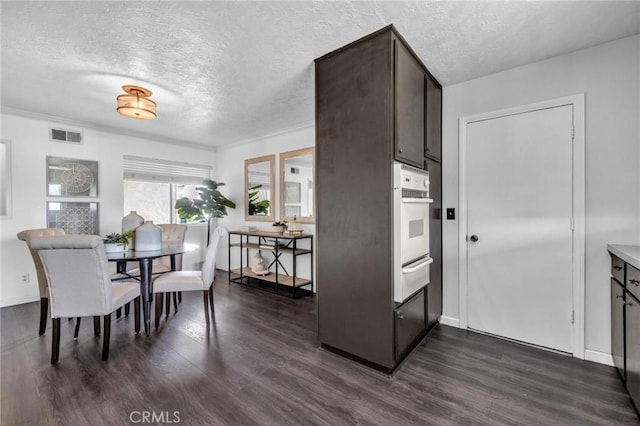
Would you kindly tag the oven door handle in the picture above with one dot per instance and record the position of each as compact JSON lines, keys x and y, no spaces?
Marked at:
{"x":417,"y":200}
{"x":417,"y":265}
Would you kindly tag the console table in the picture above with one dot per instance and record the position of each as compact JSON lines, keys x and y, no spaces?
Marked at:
{"x":277,"y":244}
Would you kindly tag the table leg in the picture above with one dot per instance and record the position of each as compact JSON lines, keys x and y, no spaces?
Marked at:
{"x":146,"y":293}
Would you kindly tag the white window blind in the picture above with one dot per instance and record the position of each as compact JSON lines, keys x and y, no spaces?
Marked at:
{"x":154,"y":170}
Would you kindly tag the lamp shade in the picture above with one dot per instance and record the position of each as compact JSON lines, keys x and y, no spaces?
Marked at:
{"x":136,"y":103}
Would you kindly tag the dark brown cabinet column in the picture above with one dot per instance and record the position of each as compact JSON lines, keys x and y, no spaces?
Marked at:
{"x":434,"y":289}
{"x":370,"y":110}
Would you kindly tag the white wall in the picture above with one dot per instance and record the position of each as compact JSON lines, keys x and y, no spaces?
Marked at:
{"x":229,"y":169}
{"x":30,"y":147}
{"x":609,"y":76}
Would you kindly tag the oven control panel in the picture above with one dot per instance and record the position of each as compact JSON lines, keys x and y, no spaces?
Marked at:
{"x":413,"y":182}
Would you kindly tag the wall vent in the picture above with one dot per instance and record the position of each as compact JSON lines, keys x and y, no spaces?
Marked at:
{"x":61,"y":135}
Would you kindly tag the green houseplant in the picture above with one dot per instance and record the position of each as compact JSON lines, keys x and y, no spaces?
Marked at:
{"x":117,"y":242}
{"x":210,"y":204}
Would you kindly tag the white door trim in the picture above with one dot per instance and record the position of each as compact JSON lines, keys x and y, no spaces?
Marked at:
{"x":577,"y":101}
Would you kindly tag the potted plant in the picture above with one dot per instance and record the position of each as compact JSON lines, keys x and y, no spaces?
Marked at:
{"x":279,"y":227}
{"x":116,"y":242}
{"x":210,"y":204}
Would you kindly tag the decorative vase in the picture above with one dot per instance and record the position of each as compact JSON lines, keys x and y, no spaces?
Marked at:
{"x":130,"y":222}
{"x":148,"y":237}
{"x":258,"y":265}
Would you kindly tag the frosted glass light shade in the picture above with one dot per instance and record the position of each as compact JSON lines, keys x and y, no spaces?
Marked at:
{"x":136,"y":103}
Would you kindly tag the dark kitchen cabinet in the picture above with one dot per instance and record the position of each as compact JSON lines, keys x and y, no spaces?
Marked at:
{"x":433,"y":119}
{"x":409,"y":107}
{"x":632,"y":332}
{"x":617,"y":327}
{"x":370,"y":104}
{"x":409,"y":322}
{"x":632,"y":347}
{"x":625,"y":322}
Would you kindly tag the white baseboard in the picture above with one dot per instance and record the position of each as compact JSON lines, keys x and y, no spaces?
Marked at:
{"x":11,"y":301}
{"x":599,"y":357}
{"x":453,"y":322}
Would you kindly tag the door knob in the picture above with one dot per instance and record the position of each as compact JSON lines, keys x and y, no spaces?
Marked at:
{"x":473,"y":238}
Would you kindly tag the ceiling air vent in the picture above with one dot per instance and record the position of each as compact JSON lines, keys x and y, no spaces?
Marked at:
{"x":60,"y":135}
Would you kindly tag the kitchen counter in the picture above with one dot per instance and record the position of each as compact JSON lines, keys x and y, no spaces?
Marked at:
{"x":630,"y":254}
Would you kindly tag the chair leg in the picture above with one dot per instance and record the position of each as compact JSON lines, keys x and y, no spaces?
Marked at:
{"x":106,"y":337}
{"x":206,"y":306}
{"x":55,"y":341}
{"x":96,"y":326}
{"x":158,"y":309}
{"x":44,"y":308}
{"x":136,"y":314}
{"x":167,"y":303}
{"x":118,"y":312}
{"x":127,"y":309}
{"x":75,"y":332}
{"x":211,"y":300}
{"x":175,"y":301}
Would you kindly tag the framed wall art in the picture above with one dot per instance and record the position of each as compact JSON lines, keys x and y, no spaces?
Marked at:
{"x":68,"y":177}
{"x":73,"y":217}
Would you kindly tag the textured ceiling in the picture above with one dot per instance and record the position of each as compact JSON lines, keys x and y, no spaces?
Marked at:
{"x":224,"y":72}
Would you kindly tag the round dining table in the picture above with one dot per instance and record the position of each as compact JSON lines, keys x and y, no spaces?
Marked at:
{"x":145,"y":260}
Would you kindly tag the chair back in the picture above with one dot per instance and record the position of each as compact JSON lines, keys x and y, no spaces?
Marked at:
{"x":78,"y":274}
{"x":209,"y":266}
{"x":172,"y":234}
{"x":26,"y":236}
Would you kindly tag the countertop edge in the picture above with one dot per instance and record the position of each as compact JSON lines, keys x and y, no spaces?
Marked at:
{"x":628,"y":253}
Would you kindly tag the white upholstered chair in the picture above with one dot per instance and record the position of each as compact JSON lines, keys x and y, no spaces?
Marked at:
{"x":192,"y":280}
{"x":43,"y":285}
{"x":79,"y":284}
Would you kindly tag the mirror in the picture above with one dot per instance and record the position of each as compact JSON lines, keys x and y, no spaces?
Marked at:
{"x":259,"y":184}
{"x":5,"y":178}
{"x":297,"y":185}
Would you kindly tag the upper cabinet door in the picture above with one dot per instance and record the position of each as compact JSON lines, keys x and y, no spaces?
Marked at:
{"x":433,"y":119}
{"x":409,"y":108}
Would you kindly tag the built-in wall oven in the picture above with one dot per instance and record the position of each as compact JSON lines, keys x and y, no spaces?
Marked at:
{"x":411,"y":204}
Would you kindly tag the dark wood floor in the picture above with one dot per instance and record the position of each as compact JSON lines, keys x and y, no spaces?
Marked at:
{"x":261,"y":364}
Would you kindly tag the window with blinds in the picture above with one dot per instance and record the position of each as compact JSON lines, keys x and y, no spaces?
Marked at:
{"x":151,"y":186}
{"x":154,"y":170}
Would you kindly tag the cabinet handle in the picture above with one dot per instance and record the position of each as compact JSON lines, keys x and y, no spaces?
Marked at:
{"x":400,"y":150}
{"x":619,"y":296}
{"x":635,"y":282}
{"x":629,"y":303}
{"x":618,"y":268}
{"x":400,"y":316}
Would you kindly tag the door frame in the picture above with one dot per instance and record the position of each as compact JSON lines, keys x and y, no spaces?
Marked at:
{"x":578,"y":202}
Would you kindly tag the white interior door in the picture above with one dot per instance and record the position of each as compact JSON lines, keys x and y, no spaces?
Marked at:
{"x":519,"y":205}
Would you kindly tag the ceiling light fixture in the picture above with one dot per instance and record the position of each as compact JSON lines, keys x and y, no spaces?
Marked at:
{"x":136,"y":103}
